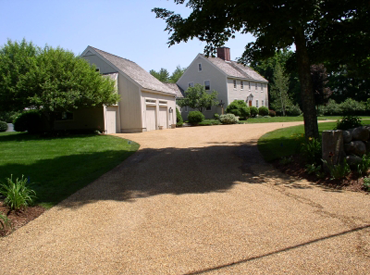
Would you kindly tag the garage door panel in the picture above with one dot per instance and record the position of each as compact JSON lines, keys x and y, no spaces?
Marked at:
{"x":163,"y":117}
{"x":150,"y":116}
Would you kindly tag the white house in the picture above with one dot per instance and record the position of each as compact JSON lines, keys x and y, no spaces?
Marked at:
{"x":232,"y":81}
{"x":146,"y":103}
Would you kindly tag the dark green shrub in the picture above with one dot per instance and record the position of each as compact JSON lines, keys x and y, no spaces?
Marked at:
{"x":348,"y":122}
{"x":272,"y":113}
{"x":216,"y":116}
{"x":293,"y":110}
{"x":8,"y":116}
{"x":179,"y":120}
{"x":228,"y":119}
{"x":254,"y":111}
{"x":30,"y":121}
{"x":3,"y":126}
{"x":238,"y":108}
{"x":195,"y":117}
{"x":263,"y":111}
{"x":332,"y":108}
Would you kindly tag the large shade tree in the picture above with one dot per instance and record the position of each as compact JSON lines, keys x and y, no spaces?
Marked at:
{"x":198,"y":98}
{"x":320,"y":30}
{"x":50,"y":80}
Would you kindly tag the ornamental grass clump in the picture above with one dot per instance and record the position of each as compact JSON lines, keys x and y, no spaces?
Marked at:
{"x":4,"y":222}
{"x":18,"y":195}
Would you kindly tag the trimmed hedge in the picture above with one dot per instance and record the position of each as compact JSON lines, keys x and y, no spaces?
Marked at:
{"x":254,"y":111}
{"x":29,"y":121}
{"x":228,"y":119}
{"x":263,"y":111}
{"x":195,"y":117}
{"x":3,"y":126}
{"x":238,"y":108}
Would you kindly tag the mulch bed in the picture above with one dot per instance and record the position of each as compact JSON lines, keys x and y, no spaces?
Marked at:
{"x":297,"y":169}
{"x":19,"y":218}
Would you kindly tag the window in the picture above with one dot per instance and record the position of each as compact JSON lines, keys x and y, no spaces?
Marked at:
{"x":262,"y":87}
{"x":257,"y":103}
{"x":209,"y":108}
{"x":256,"y":86}
{"x":241,"y":85}
{"x":150,"y":101}
{"x":163,"y":102}
{"x":64,"y":116}
{"x":200,"y":67}
{"x":262,"y":103}
{"x":234,"y":84}
{"x":97,"y":69}
{"x":191,"y":84}
{"x":207,"y":85}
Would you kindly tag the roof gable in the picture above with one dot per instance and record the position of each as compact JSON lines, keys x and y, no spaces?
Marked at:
{"x":132,"y":70}
{"x":236,"y":70}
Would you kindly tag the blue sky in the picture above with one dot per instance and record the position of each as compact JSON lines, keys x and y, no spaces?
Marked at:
{"x":125,"y":28}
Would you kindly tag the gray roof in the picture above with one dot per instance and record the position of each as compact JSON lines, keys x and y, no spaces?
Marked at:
{"x":176,"y":88}
{"x":135,"y":72}
{"x":236,"y":70}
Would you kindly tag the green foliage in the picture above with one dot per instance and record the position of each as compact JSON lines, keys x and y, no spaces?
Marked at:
{"x":286,"y":160}
{"x":238,"y":108}
{"x":162,"y":75}
{"x":293,"y":110}
{"x":17,"y":193}
{"x":272,"y":113}
{"x":3,"y":126}
{"x":254,"y":111}
{"x":311,"y":151}
{"x":8,"y":116}
{"x":228,"y":119}
{"x":4,"y":222}
{"x":177,"y":73}
{"x":280,"y":99}
{"x":338,"y":171}
{"x":348,"y":122}
{"x":352,"y":107}
{"x":315,"y":169}
{"x":366,"y":184}
{"x":197,"y":98}
{"x":364,"y":165}
{"x":207,"y":122}
{"x":29,"y":121}
{"x":195,"y":117}
{"x":216,"y":116}
{"x":179,"y":120}
{"x":263,"y":111}
{"x":51,"y":80}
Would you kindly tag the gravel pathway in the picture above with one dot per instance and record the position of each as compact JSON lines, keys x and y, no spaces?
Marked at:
{"x":196,"y":201}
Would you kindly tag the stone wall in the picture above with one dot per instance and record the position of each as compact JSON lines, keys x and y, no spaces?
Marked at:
{"x":356,"y":143}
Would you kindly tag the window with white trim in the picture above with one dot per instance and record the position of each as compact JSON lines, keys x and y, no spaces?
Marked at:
{"x":262,"y":86}
{"x":207,"y":85}
{"x":234,"y":84}
{"x":241,"y":85}
{"x":256,"y":86}
{"x":257,"y":103}
{"x":209,"y":108}
{"x":249,"y":85}
{"x":262,"y":103}
{"x":200,"y":67}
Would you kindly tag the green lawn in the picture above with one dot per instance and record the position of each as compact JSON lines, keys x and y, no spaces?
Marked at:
{"x":290,"y":119}
{"x":286,"y":142}
{"x":58,"y":167}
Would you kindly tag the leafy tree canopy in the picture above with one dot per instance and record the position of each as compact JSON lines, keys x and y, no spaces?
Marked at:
{"x":164,"y":76}
{"x":320,"y":30}
{"x":51,"y":80}
{"x":197,"y":98}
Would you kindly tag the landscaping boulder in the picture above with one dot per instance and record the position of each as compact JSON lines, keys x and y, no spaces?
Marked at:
{"x":355,"y":147}
{"x":367,"y":143}
{"x":360,"y":133}
{"x":347,"y":136}
{"x":353,"y":160}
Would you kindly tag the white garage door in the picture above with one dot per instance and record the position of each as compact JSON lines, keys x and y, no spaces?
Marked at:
{"x":150,"y":118}
{"x":110,"y":120}
{"x":163,"y":117}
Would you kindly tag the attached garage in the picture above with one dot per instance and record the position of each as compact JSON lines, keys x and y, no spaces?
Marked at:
{"x":111,"y":119}
{"x":151,"y":116}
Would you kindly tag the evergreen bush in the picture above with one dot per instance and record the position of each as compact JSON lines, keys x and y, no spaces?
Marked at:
{"x":179,"y":120}
{"x":195,"y":117}
{"x":238,"y":108}
{"x":293,"y":110}
{"x":30,"y":121}
{"x":263,"y":111}
{"x":348,"y":122}
{"x":3,"y":126}
{"x":254,"y":111}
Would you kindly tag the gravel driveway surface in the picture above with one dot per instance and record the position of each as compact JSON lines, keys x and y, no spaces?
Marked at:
{"x":196,"y":201}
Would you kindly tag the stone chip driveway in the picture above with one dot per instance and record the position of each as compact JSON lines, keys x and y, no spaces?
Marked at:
{"x":196,"y":201}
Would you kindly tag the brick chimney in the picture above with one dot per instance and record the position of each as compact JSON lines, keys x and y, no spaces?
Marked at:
{"x":223,"y":53}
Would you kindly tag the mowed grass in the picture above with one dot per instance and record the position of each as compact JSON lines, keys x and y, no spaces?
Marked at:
{"x":286,"y":142}
{"x":290,"y":119}
{"x":58,"y":167}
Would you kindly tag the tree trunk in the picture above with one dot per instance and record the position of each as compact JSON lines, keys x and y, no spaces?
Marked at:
{"x":308,"y":99}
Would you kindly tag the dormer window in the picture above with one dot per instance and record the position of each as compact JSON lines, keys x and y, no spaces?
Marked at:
{"x":97,"y":69}
{"x":200,"y":67}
